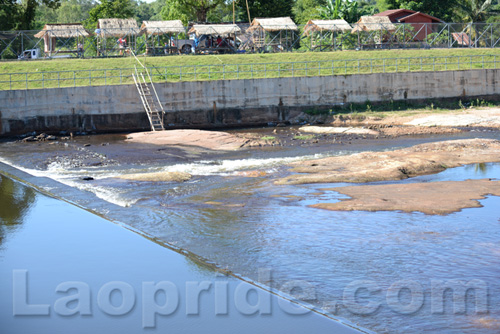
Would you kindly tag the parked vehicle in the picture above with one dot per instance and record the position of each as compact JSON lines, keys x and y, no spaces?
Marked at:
{"x":185,"y":46}
{"x":30,"y":54}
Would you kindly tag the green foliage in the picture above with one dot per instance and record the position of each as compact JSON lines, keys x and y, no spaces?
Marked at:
{"x":10,"y":14}
{"x":305,"y":10}
{"x":474,"y":10}
{"x":119,"y":9}
{"x":343,"y":9}
{"x":268,"y":138}
{"x":442,"y":9}
{"x":266,"y":8}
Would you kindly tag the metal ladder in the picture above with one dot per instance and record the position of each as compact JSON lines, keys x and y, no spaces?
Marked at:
{"x":151,"y":103}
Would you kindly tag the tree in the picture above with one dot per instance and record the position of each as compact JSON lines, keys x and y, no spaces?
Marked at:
{"x":342,"y":9}
{"x":119,"y":9}
{"x":442,"y":9}
{"x":474,"y":10}
{"x":305,"y":10}
{"x":192,"y":10}
{"x":10,"y":15}
{"x":266,"y":8}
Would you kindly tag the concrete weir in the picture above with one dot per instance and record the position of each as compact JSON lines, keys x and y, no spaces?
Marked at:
{"x":226,"y":103}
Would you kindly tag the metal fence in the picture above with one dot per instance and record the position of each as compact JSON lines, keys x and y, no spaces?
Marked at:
{"x":300,"y":38}
{"x":56,"y":79}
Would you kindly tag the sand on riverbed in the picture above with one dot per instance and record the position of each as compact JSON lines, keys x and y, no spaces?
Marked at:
{"x":435,"y":198}
{"x":395,"y":165}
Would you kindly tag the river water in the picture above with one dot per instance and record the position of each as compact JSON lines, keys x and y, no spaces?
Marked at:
{"x":231,"y":214}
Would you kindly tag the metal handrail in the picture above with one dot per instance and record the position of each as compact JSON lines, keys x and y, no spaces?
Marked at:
{"x":103,"y":77}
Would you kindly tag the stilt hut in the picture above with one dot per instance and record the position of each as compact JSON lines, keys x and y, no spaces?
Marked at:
{"x":218,"y":38}
{"x":70,"y":36}
{"x":324,"y":33}
{"x":160,"y":36}
{"x":376,"y":29}
{"x":276,"y":33}
{"x":123,"y":33}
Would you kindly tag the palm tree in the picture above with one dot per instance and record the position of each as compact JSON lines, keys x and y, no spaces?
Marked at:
{"x":474,"y":10}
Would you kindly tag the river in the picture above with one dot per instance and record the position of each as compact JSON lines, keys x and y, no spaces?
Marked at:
{"x":231,"y":215}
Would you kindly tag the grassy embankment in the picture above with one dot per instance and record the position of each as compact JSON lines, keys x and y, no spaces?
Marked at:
{"x":84,"y":72}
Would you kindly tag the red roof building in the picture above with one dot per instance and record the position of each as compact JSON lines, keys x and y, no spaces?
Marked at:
{"x":421,"y":22}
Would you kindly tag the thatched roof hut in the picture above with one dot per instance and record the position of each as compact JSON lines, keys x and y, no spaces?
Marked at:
{"x":374,"y":23}
{"x":63,"y":30}
{"x":117,"y":27}
{"x":273,"y":24}
{"x":326,"y":25}
{"x":214,"y":29}
{"x":162,"y":27}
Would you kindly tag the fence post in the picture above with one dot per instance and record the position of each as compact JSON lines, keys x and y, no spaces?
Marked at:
{"x":58,"y":80}
{"x":105,"y":78}
{"x":408,"y":64}
{"x":384,"y":64}
{"x":265,"y":71}
{"x":306,"y":69}
{"x":421,"y":66}
{"x":90,"y":79}
{"x":333,"y":71}
{"x":345,"y":67}
{"x":279,"y":70}
{"x":121,"y":77}
{"x":358,"y":67}
{"x":319,"y":68}
{"x":458,"y":63}
{"x":293,"y":70}
{"x":371,"y":65}
{"x":483,"y":61}
{"x":237,"y":71}
{"x":180,"y":73}
{"x":74,"y":78}
{"x":434,"y":63}
{"x":26,"y":76}
{"x":10,"y":81}
{"x":43,"y":80}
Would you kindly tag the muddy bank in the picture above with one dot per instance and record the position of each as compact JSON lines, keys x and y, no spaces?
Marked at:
{"x":435,"y":198}
{"x":395,"y":165}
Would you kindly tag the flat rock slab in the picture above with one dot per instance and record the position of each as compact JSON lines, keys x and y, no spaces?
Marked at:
{"x":486,"y":119}
{"x":338,"y":130}
{"x":157,"y":177}
{"x":400,"y":164}
{"x":212,"y":140}
{"x":433,"y":198}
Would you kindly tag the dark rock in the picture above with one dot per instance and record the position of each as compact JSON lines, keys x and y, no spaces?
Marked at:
{"x":87,"y":178}
{"x":86,"y":145}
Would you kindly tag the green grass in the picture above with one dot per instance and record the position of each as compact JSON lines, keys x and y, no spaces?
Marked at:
{"x":83,"y":72}
{"x":303,"y":137}
{"x":268,"y":138}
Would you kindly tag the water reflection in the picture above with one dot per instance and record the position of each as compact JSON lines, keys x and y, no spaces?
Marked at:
{"x":15,"y":201}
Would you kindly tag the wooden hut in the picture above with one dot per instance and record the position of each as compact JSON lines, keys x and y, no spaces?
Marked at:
{"x":214,"y":29}
{"x":277,"y":32}
{"x":378,"y":30}
{"x":373,"y":23}
{"x":153,"y":30}
{"x":123,"y":29}
{"x":323,"y":33}
{"x":216,"y":38}
{"x":51,"y":32}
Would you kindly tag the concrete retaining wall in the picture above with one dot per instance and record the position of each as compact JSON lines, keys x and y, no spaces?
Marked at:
{"x":209,"y":104}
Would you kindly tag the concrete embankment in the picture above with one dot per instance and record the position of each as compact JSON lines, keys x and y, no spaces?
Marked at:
{"x":225,"y":103}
